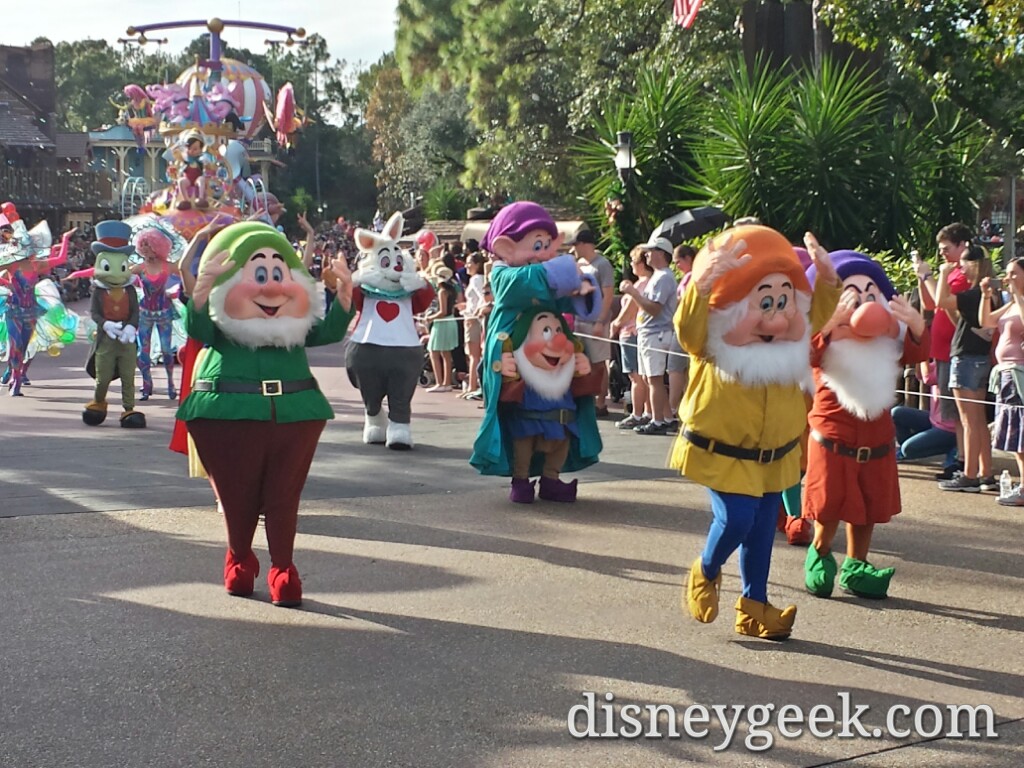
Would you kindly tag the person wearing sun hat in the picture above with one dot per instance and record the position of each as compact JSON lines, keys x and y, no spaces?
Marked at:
{"x":746,"y":320}
{"x":255,"y":412}
{"x":852,"y":476}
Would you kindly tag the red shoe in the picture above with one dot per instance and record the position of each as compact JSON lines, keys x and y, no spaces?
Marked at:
{"x":240,"y":575}
{"x":799,"y":531}
{"x":285,"y":587}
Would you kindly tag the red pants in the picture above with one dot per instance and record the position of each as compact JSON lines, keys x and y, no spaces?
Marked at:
{"x":258,"y":467}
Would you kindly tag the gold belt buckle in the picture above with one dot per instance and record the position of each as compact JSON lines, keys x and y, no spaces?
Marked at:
{"x":272,"y":387}
{"x":863,"y":455}
{"x":563,"y":416}
{"x":766,"y":457}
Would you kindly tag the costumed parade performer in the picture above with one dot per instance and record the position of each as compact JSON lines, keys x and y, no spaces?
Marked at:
{"x":34,"y":317}
{"x":115,"y":310}
{"x":255,"y":411}
{"x":544,"y":371}
{"x":157,"y":309}
{"x":529,"y":274}
{"x":798,"y":529}
{"x":852,"y":476}
{"x":746,"y":321}
{"x":386,"y":357}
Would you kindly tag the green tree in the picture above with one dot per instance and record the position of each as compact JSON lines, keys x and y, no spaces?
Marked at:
{"x":971,"y":52}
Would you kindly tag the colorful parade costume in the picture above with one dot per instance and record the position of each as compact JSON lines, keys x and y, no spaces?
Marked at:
{"x":746,"y":324}
{"x":386,"y":356}
{"x":157,"y":309}
{"x":852,"y":475}
{"x":34,"y":318}
{"x":528,"y":274}
{"x":255,"y":411}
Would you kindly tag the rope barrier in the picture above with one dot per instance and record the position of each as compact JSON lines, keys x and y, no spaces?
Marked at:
{"x":580,"y":335}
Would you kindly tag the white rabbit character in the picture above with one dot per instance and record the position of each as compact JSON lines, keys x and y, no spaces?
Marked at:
{"x":386,"y":356}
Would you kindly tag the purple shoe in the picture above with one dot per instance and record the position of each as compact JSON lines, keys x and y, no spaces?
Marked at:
{"x":553,"y":489}
{"x":522,"y":491}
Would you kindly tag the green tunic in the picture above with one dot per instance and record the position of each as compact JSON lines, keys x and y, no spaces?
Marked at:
{"x":228,"y":360}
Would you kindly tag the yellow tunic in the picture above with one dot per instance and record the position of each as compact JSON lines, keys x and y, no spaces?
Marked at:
{"x":762,"y":417}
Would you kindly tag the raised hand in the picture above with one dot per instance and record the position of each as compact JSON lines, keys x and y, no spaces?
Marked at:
{"x":343,"y":287}
{"x":730,"y":255}
{"x":904,"y":311}
{"x":303,"y":222}
{"x":822,"y":261}
{"x":209,"y":270}
{"x":582,"y":364}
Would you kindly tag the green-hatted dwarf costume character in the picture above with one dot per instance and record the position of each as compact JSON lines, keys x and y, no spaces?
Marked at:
{"x":255,"y":411}
{"x":115,"y":310}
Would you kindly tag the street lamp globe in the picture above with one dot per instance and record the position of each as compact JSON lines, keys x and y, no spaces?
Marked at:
{"x":625,"y":161}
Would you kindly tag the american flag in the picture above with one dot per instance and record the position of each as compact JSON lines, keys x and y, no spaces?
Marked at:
{"x":685,"y":11}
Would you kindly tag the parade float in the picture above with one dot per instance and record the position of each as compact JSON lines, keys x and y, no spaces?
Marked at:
{"x":207,"y":118}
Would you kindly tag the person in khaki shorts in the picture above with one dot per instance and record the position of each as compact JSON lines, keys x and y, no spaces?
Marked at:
{"x":655,"y":333}
{"x":598,"y":351}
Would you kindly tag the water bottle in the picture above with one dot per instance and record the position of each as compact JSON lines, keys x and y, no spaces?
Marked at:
{"x":1005,"y":485}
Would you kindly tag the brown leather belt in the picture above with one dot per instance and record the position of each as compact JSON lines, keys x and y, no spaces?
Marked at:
{"x":863,"y":454}
{"x":760,"y":455}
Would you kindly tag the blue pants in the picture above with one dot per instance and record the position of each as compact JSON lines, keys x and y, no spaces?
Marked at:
{"x":163,"y":321}
{"x":746,"y":523}
{"x":918,"y":439}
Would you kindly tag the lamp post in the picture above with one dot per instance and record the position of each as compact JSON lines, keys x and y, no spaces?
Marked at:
{"x":625,"y":160}
{"x":615,"y":208}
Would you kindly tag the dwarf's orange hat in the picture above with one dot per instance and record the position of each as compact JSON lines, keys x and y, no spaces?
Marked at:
{"x":771,"y":253}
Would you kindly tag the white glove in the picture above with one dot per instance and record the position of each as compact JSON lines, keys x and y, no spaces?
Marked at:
{"x":411,"y":281}
{"x":128,"y":335}
{"x":112,"y":329}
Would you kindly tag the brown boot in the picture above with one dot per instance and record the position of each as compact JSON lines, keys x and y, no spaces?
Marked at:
{"x":764,"y":620}
{"x":700,"y":596}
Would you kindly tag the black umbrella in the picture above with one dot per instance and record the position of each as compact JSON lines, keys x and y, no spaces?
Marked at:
{"x":691,"y":223}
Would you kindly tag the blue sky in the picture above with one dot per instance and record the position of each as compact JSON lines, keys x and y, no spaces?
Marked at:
{"x":355,"y":30}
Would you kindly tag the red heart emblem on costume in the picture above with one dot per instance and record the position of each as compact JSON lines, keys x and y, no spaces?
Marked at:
{"x":387,"y":310}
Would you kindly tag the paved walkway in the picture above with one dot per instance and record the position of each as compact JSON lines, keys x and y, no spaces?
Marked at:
{"x":444,"y":626}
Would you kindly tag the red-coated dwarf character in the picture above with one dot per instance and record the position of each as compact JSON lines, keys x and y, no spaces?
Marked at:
{"x":851,"y":462}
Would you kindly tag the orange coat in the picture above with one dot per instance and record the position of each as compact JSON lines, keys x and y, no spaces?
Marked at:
{"x":837,"y":487}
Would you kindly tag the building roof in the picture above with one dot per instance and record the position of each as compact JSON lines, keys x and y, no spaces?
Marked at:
{"x":73,"y":146}
{"x":18,"y":126}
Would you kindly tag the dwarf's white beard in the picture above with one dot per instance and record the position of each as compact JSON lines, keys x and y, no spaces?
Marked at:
{"x":266,"y":331}
{"x":863,"y":374}
{"x":759,"y":364}
{"x":551,"y":385}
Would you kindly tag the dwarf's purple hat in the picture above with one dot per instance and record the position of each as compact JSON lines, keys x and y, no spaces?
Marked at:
{"x":804,"y":256}
{"x":516,"y":220}
{"x":849,"y":263}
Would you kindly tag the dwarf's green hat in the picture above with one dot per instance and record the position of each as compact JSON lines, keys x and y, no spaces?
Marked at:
{"x":525,"y":318}
{"x":243,"y":239}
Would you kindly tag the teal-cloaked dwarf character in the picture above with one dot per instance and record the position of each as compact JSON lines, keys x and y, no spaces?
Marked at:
{"x":115,"y":310}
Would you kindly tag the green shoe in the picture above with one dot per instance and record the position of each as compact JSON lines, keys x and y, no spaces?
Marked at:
{"x":862,"y":579}
{"x":819,"y":573}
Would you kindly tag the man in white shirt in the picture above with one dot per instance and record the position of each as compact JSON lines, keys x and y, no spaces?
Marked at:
{"x":655,"y":333}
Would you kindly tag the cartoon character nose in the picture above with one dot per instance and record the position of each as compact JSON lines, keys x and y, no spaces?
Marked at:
{"x":272,"y":290}
{"x":775,"y":324}
{"x":562,"y":344}
{"x":871,"y":320}
{"x":399,"y":267}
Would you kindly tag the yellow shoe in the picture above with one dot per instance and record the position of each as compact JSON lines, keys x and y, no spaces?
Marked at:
{"x":701,"y":596}
{"x":764,"y":620}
